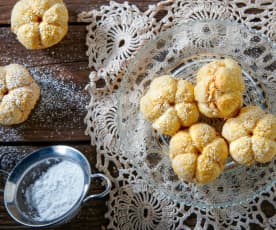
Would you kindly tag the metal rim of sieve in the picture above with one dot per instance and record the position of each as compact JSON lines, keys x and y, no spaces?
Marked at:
{"x":61,"y":152}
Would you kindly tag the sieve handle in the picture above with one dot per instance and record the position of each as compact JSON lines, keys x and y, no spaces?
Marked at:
{"x":6,"y":175}
{"x":102,"y":194}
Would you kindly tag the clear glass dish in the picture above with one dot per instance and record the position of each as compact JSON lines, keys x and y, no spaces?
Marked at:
{"x":180,"y":51}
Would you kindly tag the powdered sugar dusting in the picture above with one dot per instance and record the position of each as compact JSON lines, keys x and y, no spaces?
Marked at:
{"x":61,"y":107}
{"x":10,"y":155}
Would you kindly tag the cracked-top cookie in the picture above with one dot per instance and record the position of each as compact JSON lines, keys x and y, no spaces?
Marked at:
{"x":39,"y":24}
{"x":219,"y":89}
{"x":169,"y":104}
{"x":18,"y":94}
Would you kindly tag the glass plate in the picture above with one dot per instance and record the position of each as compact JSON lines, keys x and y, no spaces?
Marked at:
{"x":181,"y":51}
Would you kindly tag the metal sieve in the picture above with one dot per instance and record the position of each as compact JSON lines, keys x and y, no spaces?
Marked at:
{"x":31,"y":168}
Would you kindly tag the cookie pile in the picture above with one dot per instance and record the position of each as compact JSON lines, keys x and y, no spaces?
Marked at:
{"x":197,"y":152}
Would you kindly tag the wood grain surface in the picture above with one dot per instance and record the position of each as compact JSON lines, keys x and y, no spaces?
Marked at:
{"x":62,"y":73}
{"x":74,"y":7}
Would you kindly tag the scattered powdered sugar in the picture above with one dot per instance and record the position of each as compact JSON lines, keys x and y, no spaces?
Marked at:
{"x":62,"y":106}
{"x":11,"y":155}
{"x":56,"y":191}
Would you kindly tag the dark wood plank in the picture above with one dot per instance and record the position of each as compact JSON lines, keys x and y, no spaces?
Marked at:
{"x":62,"y":74}
{"x":71,"y":49}
{"x":91,"y":216}
{"x":74,"y":7}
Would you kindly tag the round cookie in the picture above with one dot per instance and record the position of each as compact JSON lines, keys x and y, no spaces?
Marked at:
{"x":219,"y":89}
{"x":198,"y":154}
{"x":18,"y":94}
{"x":39,"y":24}
{"x":251,"y":136}
{"x":169,"y":104}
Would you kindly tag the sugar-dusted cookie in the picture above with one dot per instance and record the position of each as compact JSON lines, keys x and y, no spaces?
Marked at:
{"x":169,"y":104}
{"x":219,"y":89}
{"x":39,"y":24}
{"x":18,"y":94}
{"x":251,"y":136}
{"x":198,"y":154}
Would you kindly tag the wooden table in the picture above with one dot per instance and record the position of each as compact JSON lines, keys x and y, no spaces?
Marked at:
{"x":65,"y":62}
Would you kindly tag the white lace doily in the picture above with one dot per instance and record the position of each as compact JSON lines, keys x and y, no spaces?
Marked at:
{"x":115,"y":33}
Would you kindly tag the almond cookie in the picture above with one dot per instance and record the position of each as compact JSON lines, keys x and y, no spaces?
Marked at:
{"x":169,"y":104}
{"x":39,"y":24}
{"x":251,"y":136}
{"x":219,"y":89}
{"x":198,"y":154}
{"x":18,"y":94}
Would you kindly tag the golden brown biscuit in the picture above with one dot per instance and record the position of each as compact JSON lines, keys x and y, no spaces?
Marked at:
{"x":184,"y":166}
{"x":18,"y":94}
{"x":207,"y":169}
{"x":202,"y":134}
{"x":198,"y":154}
{"x":241,"y":150}
{"x":153,"y":108}
{"x":219,"y":89}
{"x":264,"y":149}
{"x":169,"y":104}
{"x":266,"y":127}
{"x":216,"y":150}
{"x":168,"y":123}
{"x":233,"y":129}
{"x":187,"y":113}
{"x":39,"y":24}
{"x":251,"y":136}
{"x":182,"y":142}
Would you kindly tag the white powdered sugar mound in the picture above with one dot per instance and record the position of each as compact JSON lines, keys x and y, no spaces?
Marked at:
{"x":56,"y":191}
